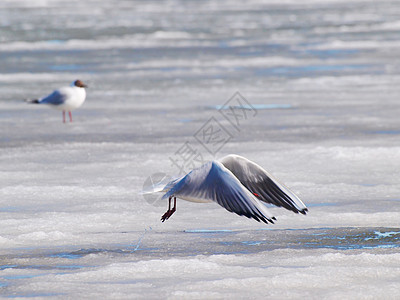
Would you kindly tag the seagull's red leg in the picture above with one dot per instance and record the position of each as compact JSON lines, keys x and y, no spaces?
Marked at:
{"x":166,"y":215}
{"x":70,"y":116}
{"x":63,"y":116}
{"x":169,"y":211}
{"x":174,"y":208}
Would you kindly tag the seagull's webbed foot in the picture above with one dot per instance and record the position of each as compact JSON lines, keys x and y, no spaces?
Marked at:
{"x":167,"y":215}
{"x":169,"y":211}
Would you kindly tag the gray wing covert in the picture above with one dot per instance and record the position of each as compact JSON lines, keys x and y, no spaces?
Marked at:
{"x":55,"y":98}
{"x":263,"y":185}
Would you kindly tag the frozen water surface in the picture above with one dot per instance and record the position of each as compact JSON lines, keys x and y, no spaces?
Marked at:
{"x":320,"y":83}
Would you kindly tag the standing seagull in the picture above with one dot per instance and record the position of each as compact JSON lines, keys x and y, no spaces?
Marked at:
{"x":66,"y":98}
{"x":237,"y":184}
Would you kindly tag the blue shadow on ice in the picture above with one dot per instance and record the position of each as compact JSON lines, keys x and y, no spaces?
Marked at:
{"x":70,"y":67}
{"x":328,"y":53}
{"x":321,"y":204}
{"x":254,"y":106}
{"x":125,"y":249}
{"x":386,"y":132}
{"x":13,"y":277}
{"x":42,"y":267}
{"x":9,"y":208}
{"x":208,"y":230}
{"x":310,"y":69}
{"x":35,"y":295}
{"x":56,"y":42}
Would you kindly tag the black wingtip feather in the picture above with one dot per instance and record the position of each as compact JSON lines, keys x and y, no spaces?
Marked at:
{"x":271,"y":193}
{"x":304,"y":211}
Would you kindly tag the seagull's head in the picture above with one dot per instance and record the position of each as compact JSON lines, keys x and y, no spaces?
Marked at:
{"x":79,"y":84}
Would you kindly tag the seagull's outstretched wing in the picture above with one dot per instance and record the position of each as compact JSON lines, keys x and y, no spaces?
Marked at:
{"x":214,"y":182}
{"x":262,"y":184}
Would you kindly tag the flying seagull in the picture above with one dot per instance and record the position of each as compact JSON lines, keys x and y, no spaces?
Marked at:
{"x":237,"y":184}
{"x":66,"y":98}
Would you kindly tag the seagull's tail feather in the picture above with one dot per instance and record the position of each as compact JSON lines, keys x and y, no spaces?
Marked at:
{"x":32,"y":101}
{"x":155,"y":188}
{"x":159,"y":187}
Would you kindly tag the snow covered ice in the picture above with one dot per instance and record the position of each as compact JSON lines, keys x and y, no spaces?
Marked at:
{"x":322,"y":78}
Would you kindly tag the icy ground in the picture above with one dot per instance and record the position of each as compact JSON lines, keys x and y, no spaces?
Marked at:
{"x":323,"y":79}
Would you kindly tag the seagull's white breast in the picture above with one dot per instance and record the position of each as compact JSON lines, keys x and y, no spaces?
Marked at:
{"x":74,"y":98}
